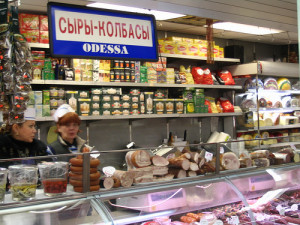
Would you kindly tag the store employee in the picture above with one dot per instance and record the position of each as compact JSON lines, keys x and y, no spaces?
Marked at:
{"x":67,"y":127}
{"x":18,"y":140}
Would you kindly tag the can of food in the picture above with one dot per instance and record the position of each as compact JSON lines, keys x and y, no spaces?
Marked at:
{"x":117,"y":76}
{"x":132,"y":64}
{"x":169,"y":106}
{"x":112,"y":76}
{"x":178,"y":106}
{"x":159,"y":106}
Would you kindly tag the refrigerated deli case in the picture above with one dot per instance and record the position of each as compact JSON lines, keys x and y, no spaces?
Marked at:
{"x":256,"y":196}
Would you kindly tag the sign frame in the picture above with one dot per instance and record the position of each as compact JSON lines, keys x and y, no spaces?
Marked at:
{"x":64,"y":48}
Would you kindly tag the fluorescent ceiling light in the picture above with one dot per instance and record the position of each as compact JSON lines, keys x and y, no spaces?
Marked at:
{"x":242,"y":28}
{"x":159,"y":15}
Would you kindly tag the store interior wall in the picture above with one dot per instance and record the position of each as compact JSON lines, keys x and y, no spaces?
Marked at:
{"x":109,"y":135}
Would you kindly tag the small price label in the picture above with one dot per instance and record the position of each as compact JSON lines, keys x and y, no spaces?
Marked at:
{"x":108,"y":171}
{"x":221,"y":150}
{"x":218,"y":222}
{"x":233,"y":220}
{"x":203,"y":222}
{"x":259,"y":217}
{"x":208,"y":156}
{"x":281,"y":210}
{"x":294,"y":207}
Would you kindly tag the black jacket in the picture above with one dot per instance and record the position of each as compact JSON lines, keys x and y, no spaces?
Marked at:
{"x":12,"y":148}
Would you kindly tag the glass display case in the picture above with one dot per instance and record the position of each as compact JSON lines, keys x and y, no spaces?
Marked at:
{"x":250,"y":196}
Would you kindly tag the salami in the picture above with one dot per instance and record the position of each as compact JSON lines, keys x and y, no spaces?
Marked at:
{"x":182,"y":163}
{"x":178,"y":173}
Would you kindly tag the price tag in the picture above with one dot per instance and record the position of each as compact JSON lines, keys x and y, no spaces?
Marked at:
{"x":218,"y":222}
{"x":233,"y":220}
{"x":281,"y":210}
{"x":293,"y":147}
{"x":294,"y":207}
{"x":221,"y":150}
{"x":108,"y":171}
{"x":208,"y":156}
{"x":259,"y":217}
{"x":203,"y":222}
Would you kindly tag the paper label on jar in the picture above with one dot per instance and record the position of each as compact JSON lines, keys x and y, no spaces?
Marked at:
{"x":108,"y":171}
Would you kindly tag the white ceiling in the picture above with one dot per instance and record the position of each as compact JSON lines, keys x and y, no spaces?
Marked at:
{"x":276,"y":14}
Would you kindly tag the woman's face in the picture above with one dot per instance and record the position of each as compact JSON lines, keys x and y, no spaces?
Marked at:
{"x":68,"y":131}
{"x":25,"y":132}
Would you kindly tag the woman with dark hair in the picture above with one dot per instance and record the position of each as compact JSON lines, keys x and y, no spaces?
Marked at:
{"x":18,"y":140}
{"x":67,"y":127}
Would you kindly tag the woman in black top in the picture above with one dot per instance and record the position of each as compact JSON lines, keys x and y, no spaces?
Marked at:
{"x":19,"y":140}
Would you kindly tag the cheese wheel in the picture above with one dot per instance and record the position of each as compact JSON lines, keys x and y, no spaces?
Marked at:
{"x":284,"y":84}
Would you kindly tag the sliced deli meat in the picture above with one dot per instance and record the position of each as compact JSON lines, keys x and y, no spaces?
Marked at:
{"x":230,"y":161}
{"x":159,"y":161}
{"x":140,"y":158}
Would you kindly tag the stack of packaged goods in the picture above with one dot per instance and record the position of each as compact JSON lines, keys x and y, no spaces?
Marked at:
{"x":188,"y":46}
{"x":34,"y":28}
{"x":37,"y":64}
{"x":194,"y":101}
{"x":113,"y":101}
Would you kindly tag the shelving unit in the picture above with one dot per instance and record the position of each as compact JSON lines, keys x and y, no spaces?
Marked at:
{"x":150,"y":116}
{"x":277,"y":127}
{"x":227,"y":119}
{"x":265,"y":68}
{"x":199,"y":58}
{"x":38,"y":45}
{"x":123,"y":84}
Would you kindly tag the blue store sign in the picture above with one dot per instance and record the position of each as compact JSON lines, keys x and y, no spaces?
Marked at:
{"x":84,"y":32}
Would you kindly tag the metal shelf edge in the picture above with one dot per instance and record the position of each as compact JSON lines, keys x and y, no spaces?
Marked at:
{"x":145,"y":116}
{"x":123,"y":84}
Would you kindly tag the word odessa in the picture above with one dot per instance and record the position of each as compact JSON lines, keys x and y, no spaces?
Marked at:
{"x":105,"y":48}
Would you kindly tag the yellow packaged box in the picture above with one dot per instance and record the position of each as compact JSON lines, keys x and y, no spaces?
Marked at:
{"x":169,"y":47}
{"x":188,"y":40}
{"x":161,"y":45}
{"x":193,"y":49}
{"x":181,"y":48}
{"x":202,"y":50}
{"x":199,"y":41}
{"x":216,"y":51}
{"x":174,"y":39}
{"x":221,"y":52}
